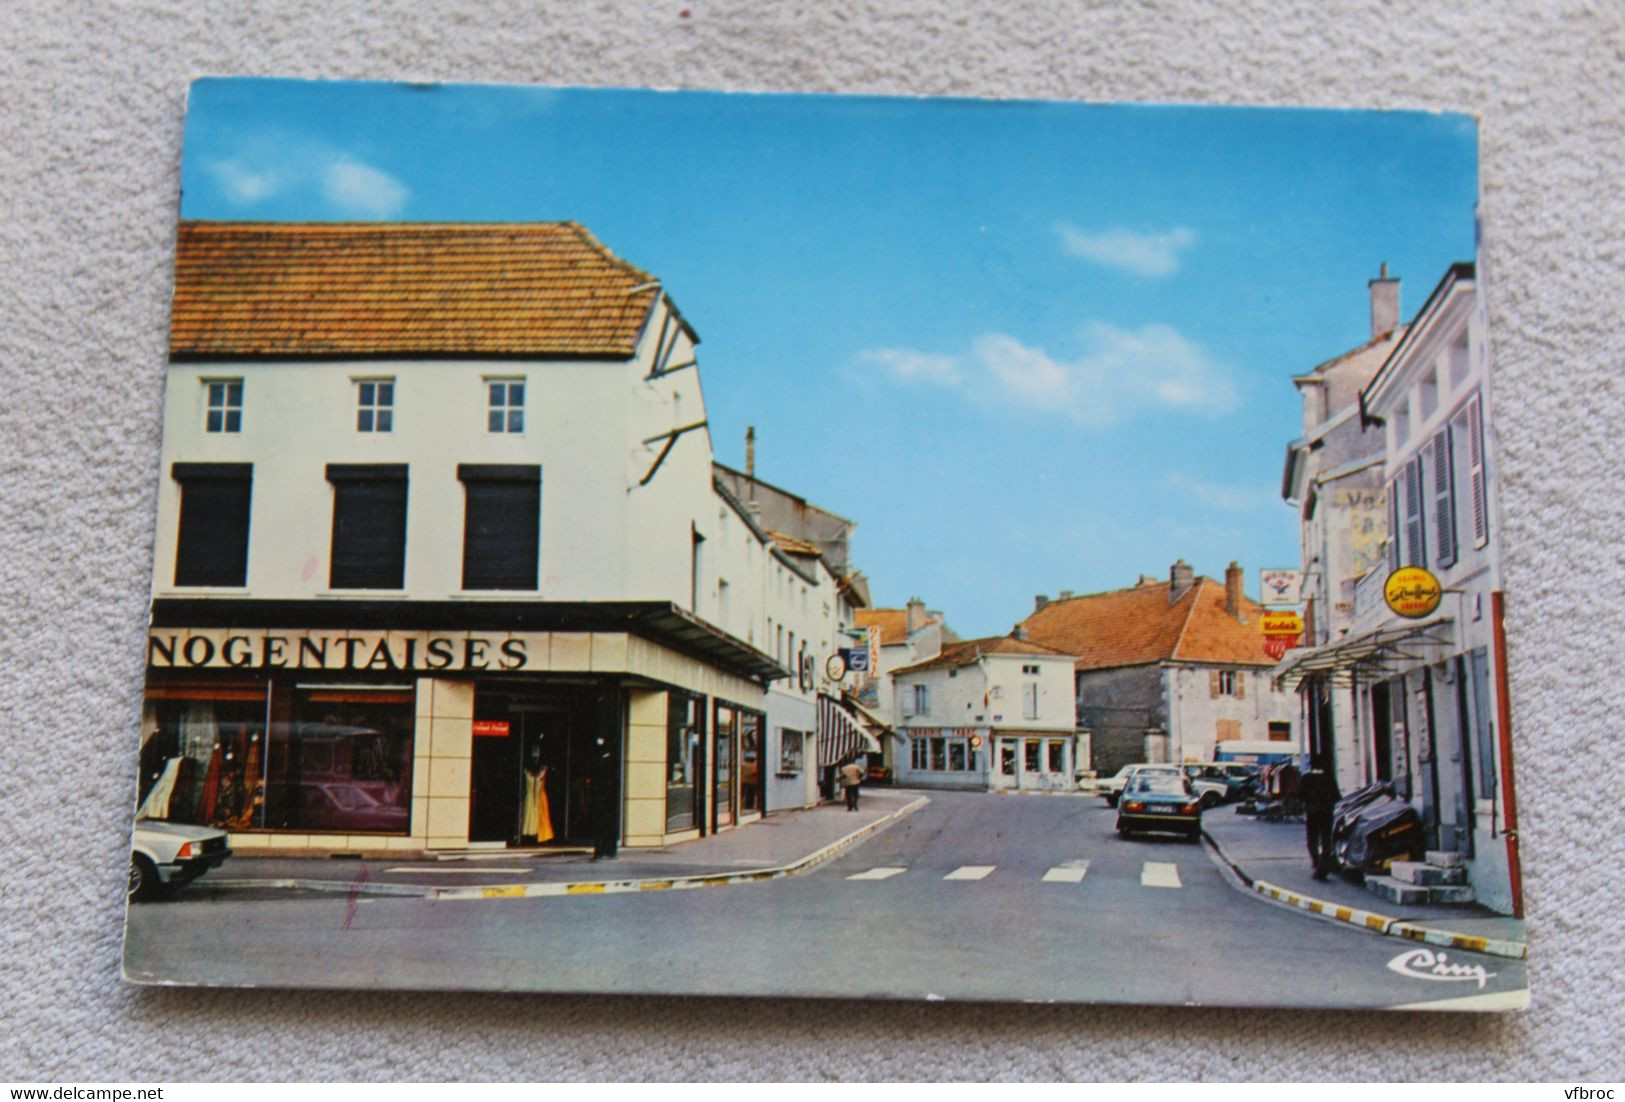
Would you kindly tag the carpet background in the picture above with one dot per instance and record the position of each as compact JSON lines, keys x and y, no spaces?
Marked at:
{"x":91,"y":104}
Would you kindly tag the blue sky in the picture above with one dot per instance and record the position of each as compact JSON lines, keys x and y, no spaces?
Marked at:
{"x":1026,"y":346}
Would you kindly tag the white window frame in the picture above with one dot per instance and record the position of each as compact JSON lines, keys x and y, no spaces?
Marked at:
{"x":226,"y":409}
{"x":505,"y":418}
{"x":368,"y":415}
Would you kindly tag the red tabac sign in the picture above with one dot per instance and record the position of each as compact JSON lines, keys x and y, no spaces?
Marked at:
{"x":490,"y":728}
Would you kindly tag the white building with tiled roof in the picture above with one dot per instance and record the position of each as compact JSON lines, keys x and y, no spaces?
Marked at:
{"x":988,"y":714}
{"x":442,"y":560}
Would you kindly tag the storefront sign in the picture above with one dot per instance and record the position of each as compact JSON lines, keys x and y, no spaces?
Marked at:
{"x":490,"y":728}
{"x":1281,"y":587}
{"x":1276,"y":646}
{"x":836,"y":665}
{"x":426,"y":652}
{"x":1280,"y":624}
{"x":1412,"y":592}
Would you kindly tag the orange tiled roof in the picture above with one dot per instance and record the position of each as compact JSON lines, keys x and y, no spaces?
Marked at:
{"x":792,"y":546}
{"x":1137,"y":626}
{"x":365,"y":289}
{"x":892,"y":622}
{"x":966,"y":652}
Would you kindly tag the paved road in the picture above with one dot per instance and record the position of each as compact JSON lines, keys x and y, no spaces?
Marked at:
{"x":973,"y":897}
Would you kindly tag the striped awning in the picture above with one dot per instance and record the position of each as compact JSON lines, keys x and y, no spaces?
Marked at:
{"x":840,"y":735}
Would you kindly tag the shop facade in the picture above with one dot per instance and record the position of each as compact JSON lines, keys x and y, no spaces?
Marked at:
{"x":326,"y":740}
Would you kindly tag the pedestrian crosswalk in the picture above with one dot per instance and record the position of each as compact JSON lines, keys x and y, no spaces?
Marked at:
{"x":1153,"y":874}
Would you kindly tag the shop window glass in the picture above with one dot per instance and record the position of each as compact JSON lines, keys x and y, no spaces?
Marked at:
{"x":501,"y":525}
{"x":211,"y":548}
{"x":750,"y":761}
{"x":956,"y":756}
{"x":791,"y":748}
{"x":685,"y":731}
{"x":203,"y":756}
{"x":1007,"y":759}
{"x":722,"y":766}
{"x":1031,"y":755}
{"x":344,"y":764}
{"x":369,"y":526}
{"x":939,"y":754}
{"x":1057,"y":757}
{"x":918,"y":754}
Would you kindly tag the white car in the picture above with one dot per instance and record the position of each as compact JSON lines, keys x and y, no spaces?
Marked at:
{"x":168,"y":855}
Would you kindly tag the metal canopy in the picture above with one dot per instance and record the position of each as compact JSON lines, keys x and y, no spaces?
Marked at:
{"x":1375,"y":653}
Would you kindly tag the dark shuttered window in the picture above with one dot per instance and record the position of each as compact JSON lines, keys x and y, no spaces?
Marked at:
{"x":212,"y":546}
{"x":501,"y":525}
{"x":1415,"y":553}
{"x":369,"y":526}
{"x":1444,"y":499}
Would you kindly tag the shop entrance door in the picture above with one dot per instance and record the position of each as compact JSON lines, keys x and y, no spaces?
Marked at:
{"x":529,"y":770}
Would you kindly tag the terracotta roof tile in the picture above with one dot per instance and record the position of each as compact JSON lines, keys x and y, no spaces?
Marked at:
{"x":1138,"y":626}
{"x":892,"y":622}
{"x":966,"y":652}
{"x":365,"y":289}
{"x":792,"y":546}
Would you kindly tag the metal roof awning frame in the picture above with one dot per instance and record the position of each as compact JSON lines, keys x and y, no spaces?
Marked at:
{"x":1370,"y":656}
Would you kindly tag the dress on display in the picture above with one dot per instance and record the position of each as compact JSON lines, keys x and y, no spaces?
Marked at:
{"x":538,"y":817}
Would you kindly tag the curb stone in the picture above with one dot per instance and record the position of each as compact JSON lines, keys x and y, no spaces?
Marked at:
{"x":1371,"y":920}
{"x":579,"y":887}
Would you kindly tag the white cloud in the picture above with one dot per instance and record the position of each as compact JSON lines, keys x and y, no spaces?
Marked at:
{"x":1233,"y":499}
{"x":244,"y":185}
{"x":328,"y":182}
{"x":913,"y":366}
{"x":357,"y":188}
{"x":1144,"y":254}
{"x":1119,"y":373}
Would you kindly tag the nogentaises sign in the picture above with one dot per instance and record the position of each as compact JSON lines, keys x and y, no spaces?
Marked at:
{"x":339,"y":650}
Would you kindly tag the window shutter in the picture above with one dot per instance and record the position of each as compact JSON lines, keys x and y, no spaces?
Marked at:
{"x":369,"y":526}
{"x":908,"y":700}
{"x":1394,"y":535}
{"x":1241,"y":684}
{"x":1475,"y":466}
{"x":501,"y":526}
{"x":1415,"y":547}
{"x":1444,"y":503}
{"x":212,"y":546}
{"x":1213,"y":684}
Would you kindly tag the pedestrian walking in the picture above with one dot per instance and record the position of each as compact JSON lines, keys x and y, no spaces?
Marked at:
{"x":851,"y":778}
{"x":1318,"y":790}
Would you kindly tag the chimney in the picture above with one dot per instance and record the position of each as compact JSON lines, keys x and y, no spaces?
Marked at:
{"x":1020,"y":633}
{"x":750,"y":452}
{"x":1384,"y":303}
{"x":1039,"y":602}
{"x":1234,"y":593}
{"x":916,"y":614}
{"x":1180,"y":578}
{"x":1066,"y":595}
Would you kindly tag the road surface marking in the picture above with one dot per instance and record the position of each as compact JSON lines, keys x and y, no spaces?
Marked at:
{"x":969,"y":872}
{"x":1070,"y":873}
{"x":880,"y":873}
{"x":1159,"y":874}
{"x":453,"y":872}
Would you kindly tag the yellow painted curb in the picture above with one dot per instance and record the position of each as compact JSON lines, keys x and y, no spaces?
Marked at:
{"x":1393,"y":927}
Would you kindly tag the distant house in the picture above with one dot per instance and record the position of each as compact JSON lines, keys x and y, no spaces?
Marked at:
{"x":1167,"y":670}
{"x":986,"y":714}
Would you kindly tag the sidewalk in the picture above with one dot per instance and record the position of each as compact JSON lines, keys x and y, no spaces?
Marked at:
{"x":782,"y":844}
{"x":1273,"y":859}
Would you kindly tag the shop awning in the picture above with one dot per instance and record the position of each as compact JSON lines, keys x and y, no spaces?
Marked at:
{"x":1372,"y":655}
{"x":840,"y":735}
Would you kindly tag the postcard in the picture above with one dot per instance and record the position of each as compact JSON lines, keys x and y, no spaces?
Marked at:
{"x":1067,"y":570}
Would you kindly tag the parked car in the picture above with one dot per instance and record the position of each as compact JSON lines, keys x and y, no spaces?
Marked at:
{"x":165,"y":856}
{"x":1159,"y":801}
{"x":1217,"y":783}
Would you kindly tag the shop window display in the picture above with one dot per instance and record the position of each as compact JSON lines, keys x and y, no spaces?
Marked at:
{"x":344,"y":764}
{"x":685,"y":731}
{"x":203,"y":757}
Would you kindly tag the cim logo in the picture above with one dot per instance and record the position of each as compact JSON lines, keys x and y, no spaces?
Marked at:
{"x":1425,"y":964}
